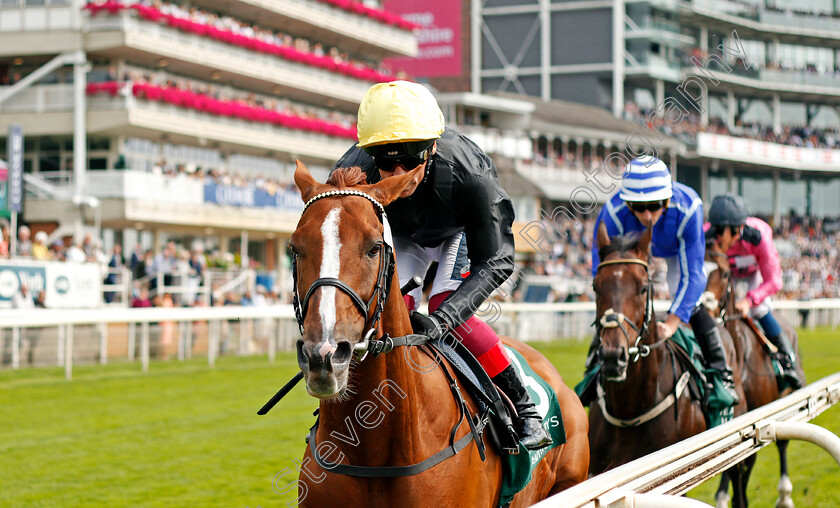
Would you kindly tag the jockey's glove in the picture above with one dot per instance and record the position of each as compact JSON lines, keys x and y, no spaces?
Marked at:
{"x":432,"y":325}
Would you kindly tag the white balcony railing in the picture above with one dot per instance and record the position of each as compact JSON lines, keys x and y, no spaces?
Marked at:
{"x":494,"y":141}
{"x":164,"y":118}
{"x":800,"y":78}
{"x":159,"y":40}
{"x":326,"y":21}
{"x":53,"y":15}
{"x":717,"y":146}
{"x":563,"y":183}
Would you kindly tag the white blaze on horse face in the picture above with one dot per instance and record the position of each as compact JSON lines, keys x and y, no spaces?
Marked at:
{"x":330,"y":267}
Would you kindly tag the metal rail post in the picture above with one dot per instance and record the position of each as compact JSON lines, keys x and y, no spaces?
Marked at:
{"x":103,"y":343}
{"x":776,"y":431}
{"x":15,"y":347}
{"x":144,"y":346}
{"x":68,"y":353}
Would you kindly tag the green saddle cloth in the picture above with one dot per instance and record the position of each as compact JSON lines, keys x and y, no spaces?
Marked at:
{"x":719,"y":404}
{"x":719,"y":407}
{"x":518,"y":468}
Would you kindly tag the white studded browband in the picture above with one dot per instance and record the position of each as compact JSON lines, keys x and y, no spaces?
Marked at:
{"x":345,"y":192}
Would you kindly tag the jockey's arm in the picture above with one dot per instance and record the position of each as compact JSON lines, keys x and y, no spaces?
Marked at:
{"x":769,"y":266}
{"x":690,"y":257}
{"x":488,"y":218}
{"x":669,"y":326}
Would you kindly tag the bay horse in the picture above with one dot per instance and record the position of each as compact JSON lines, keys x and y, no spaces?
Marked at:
{"x":382,"y":414}
{"x":643,"y":404}
{"x":757,"y":374}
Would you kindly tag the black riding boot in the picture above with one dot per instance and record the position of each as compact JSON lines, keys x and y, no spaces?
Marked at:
{"x":527,"y":422}
{"x":787,"y":359}
{"x":708,"y":336}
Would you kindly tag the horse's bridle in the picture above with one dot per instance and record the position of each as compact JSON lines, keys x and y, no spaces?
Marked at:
{"x":383,"y":281}
{"x":612,"y":319}
{"x":728,"y":295}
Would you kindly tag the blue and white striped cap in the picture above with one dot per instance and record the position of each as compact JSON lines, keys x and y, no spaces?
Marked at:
{"x":646,"y":179}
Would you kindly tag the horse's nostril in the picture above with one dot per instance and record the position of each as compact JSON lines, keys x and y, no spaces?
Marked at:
{"x":342,"y":352}
{"x":301,"y":356}
{"x":622,"y":355}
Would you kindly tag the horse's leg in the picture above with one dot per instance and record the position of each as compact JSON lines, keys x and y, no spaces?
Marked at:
{"x":785,"y":486}
{"x":739,"y":494}
{"x":722,"y":495}
{"x":749,"y":462}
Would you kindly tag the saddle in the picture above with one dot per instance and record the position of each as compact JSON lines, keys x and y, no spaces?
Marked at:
{"x":494,"y":409}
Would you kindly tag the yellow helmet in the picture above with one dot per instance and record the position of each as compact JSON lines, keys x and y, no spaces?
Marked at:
{"x":398,"y":112}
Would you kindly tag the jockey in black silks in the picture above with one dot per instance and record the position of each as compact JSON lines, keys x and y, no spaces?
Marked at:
{"x":455,"y":213}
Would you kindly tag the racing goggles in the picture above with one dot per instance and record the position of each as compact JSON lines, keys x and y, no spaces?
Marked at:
{"x":654,"y":206}
{"x":408,"y":155}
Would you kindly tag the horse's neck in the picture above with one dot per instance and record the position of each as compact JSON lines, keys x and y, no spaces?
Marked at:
{"x":382,"y":410}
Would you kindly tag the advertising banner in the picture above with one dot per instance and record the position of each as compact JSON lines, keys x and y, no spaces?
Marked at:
{"x":14,"y":150}
{"x":66,"y":285}
{"x":438,"y":40}
{"x":772,"y":154}
{"x":230,"y":195}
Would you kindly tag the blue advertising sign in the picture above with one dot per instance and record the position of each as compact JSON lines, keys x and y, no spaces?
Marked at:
{"x":231,"y":195}
{"x":12,"y":277}
{"x":14,"y":147}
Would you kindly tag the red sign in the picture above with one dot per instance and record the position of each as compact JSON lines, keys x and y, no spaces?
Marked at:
{"x":438,"y":39}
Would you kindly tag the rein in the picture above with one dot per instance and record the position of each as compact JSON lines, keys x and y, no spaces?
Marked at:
{"x":728,"y":295}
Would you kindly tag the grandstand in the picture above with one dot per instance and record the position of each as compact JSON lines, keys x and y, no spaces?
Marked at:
{"x":165,"y":121}
{"x":748,"y":88}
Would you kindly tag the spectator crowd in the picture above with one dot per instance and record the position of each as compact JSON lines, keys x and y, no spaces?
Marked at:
{"x":809,"y":250}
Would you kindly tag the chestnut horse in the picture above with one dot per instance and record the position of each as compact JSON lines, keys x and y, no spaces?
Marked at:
{"x":757,"y":374}
{"x":637,"y":412}
{"x":396,"y":409}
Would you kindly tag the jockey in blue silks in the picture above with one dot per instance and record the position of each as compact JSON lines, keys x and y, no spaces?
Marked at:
{"x":648,"y":196}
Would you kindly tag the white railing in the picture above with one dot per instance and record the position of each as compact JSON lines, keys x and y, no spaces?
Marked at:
{"x":264,"y":329}
{"x":178,"y":331}
{"x":678,"y":468}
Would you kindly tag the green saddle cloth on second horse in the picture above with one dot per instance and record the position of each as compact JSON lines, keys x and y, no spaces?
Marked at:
{"x":518,"y":468}
{"x":718,"y":404}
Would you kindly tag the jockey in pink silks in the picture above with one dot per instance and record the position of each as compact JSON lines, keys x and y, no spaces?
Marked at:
{"x":754,"y":261}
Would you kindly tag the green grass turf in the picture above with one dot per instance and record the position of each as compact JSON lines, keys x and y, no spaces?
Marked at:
{"x":184,"y":434}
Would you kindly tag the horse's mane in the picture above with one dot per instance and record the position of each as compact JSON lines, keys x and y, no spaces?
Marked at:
{"x":620,"y":244}
{"x":347,"y":177}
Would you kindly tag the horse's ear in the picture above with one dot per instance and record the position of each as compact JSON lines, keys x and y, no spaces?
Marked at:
{"x":388,"y":189}
{"x":305,"y":181}
{"x":603,"y":236}
{"x":644,"y":241}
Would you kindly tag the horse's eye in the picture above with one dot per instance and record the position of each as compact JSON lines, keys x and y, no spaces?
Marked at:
{"x":375,"y":250}
{"x":644,"y":290}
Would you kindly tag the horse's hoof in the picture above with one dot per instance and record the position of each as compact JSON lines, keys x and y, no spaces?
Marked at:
{"x":785,"y":489}
{"x":722,"y":500}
